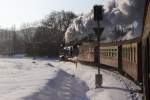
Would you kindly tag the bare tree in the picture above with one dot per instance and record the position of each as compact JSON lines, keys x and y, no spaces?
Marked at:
{"x":27,"y":32}
{"x":58,"y":22}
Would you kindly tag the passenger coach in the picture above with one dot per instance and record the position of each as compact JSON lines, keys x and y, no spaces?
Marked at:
{"x":132,"y":57}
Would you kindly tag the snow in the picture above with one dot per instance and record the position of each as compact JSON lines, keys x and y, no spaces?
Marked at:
{"x":20,"y":78}
{"x":44,"y":79}
{"x":114,"y":85}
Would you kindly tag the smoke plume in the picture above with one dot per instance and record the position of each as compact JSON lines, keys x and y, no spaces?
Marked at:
{"x":122,"y":20}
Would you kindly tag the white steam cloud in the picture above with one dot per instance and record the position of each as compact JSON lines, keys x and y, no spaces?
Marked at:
{"x":122,"y":20}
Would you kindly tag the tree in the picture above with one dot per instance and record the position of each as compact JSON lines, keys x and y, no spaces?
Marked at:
{"x":50,"y":35}
{"x":43,"y":35}
{"x":58,"y":22}
{"x":10,"y":41}
{"x":28,"y":32}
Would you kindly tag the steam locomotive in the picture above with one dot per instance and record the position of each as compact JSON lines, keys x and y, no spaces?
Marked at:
{"x":131,"y":57}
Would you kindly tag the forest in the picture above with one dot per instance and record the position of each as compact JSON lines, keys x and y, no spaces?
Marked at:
{"x":44,"y":39}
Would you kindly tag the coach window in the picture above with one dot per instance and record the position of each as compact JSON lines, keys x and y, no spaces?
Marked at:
{"x":129,"y":54}
{"x":122,"y":52}
{"x":134,"y":57}
{"x":125,"y":53}
{"x":132,"y":54}
{"x":112,"y":54}
{"x":106,"y":52}
{"x":115,"y":54}
{"x":109,"y":52}
{"x":93,"y":50}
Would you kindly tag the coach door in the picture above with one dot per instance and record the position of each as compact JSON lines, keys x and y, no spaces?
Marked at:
{"x":148,"y":60}
{"x":147,"y":68}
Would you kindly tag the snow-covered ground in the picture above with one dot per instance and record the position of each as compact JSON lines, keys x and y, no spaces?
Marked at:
{"x":28,"y":79}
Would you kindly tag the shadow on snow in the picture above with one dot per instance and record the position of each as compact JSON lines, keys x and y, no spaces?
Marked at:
{"x":63,"y":87}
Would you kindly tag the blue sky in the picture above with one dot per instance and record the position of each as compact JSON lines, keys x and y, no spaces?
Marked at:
{"x":26,"y":11}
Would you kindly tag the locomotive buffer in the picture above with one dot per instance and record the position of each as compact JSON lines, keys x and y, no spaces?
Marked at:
{"x":98,"y":16}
